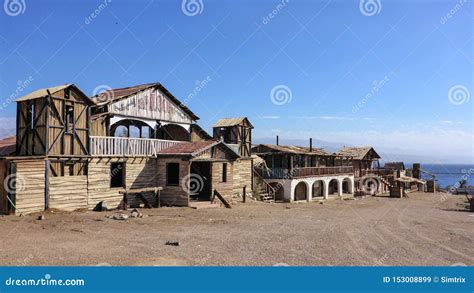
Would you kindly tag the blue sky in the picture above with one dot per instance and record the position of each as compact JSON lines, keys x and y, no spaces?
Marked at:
{"x":399,"y":77}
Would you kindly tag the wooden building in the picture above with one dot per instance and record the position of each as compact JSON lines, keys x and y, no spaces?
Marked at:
{"x":72,"y":152}
{"x":237,"y":133}
{"x":361,"y":159}
{"x":295,"y":173}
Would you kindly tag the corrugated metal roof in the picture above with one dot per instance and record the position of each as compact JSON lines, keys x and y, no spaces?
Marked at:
{"x":195,"y":148}
{"x":297,"y":150}
{"x":227,"y":122}
{"x":43,"y":92}
{"x":7,"y":146}
{"x":357,"y":153}
{"x":112,"y":95}
{"x":188,"y":147}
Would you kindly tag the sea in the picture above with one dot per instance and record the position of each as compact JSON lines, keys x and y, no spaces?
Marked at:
{"x":449,"y":174}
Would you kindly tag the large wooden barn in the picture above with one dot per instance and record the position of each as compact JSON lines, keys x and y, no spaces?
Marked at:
{"x":74,"y":152}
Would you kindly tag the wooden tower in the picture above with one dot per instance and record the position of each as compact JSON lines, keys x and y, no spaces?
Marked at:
{"x":237,"y":132}
{"x":53,"y":122}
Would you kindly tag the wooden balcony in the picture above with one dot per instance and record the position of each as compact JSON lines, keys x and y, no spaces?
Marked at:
{"x":128,"y":147}
{"x":280,"y":173}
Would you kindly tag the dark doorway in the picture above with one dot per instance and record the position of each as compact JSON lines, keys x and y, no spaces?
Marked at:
{"x":200,"y":181}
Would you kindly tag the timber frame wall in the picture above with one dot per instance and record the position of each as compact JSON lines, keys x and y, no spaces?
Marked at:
{"x":43,"y":129}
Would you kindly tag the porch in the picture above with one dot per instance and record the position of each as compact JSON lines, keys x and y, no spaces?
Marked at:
{"x":127,"y":146}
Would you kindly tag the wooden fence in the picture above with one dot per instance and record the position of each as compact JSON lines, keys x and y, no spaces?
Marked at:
{"x":124,"y":146}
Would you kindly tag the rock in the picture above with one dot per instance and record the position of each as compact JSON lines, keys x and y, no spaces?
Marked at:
{"x":321,"y":202}
{"x":120,"y":217}
{"x":172,"y":243}
{"x":41,"y":217}
{"x":136,"y":214}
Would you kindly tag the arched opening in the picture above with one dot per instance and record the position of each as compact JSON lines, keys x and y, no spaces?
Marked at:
{"x":301,"y":191}
{"x":333,"y":188}
{"x":347,"y":186}
{"x":318,"y":189}
{"x":131,"y":128}
{"x":173,"y":132}
{"x":279,"y":191}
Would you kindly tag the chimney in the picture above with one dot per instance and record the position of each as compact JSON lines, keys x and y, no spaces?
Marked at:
{"x":310,"y":144}
{"x":277,"y":140}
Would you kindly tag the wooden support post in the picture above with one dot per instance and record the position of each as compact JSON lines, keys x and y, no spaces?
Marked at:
{"x":244,"y":193}
{"x":125,"y":201}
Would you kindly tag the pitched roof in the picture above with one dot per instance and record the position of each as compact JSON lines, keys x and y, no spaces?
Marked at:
{"x":227,"y":122}
{"x":194,"y":148}
{"x":43,"y":92}
{"x":187,"y":147}
{"x":7,"y":146}
{"x":112,"y":95}
{"x":394,"y":165}
{"x":52,"y":90}
{"x":294,"y":149}
{"x":357,"y":153}
{"x":199,"y":129}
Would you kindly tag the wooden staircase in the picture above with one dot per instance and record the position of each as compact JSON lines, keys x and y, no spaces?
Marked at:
{"x":264,"y":189}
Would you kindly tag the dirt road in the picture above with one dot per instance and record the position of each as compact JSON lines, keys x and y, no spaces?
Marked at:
{"x":425,"y":229}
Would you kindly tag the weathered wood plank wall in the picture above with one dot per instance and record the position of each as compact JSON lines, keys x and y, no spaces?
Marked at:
{"x":30,"y":185}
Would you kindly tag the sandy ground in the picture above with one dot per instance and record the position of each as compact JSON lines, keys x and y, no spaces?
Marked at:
{"x":425,"y":229}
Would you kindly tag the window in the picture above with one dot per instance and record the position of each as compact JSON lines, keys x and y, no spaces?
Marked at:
{"x":121,"y":131}
{"x":134,"y":131}
{"x":224,"y":172}
{"x":30,"y":116}
{"x":117,"y":175}
{"x":69,"y":117}
{"x":145,"y":132}
{"x":172,"y":174}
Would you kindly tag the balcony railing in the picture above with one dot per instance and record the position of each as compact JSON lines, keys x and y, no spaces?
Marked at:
{"x":125,"y":146}
{"x":379,"y":172}
{"x":281,"y":173}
